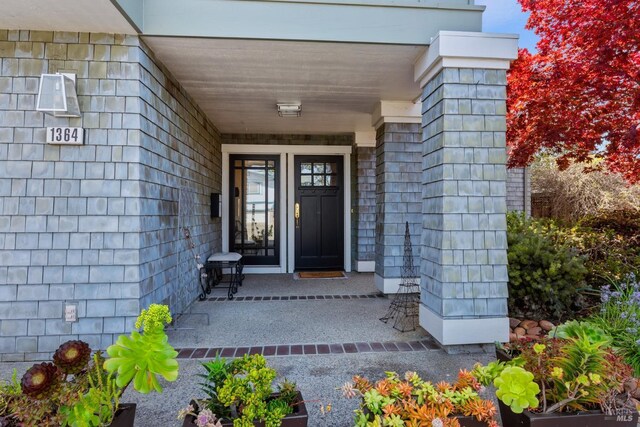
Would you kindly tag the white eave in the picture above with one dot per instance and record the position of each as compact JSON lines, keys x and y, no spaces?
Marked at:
{"x":97,"y":16}
{"x":390,"y":22}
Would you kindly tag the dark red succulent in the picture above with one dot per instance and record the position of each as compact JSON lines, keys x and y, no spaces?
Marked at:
{"x":40,"y":380}
{"x":72,"y":356}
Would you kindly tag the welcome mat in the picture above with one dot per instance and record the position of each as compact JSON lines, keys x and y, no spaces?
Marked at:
{"x":321,"y":275}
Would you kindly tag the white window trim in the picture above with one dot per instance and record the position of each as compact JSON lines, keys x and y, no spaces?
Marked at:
{"x":287,"y":231}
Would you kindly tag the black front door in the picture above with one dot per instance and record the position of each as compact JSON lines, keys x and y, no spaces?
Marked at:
{"x":319,"y":213}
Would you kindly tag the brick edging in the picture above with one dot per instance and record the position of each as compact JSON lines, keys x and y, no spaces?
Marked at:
{"x":308,"y":349}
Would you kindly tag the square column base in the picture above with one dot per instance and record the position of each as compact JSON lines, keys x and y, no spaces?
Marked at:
{"x":388,"y":285}
{"x":365,"y":266}
{"x":464,"y":331}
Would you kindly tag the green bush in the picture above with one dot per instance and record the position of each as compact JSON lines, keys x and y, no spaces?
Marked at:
{"x":545,"y":273}
{"x":611,"y":244}
{"x":619,"y":317}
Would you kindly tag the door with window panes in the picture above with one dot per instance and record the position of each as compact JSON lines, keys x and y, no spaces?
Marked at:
{"x":319,"y":213}
{"x":254,"y":231}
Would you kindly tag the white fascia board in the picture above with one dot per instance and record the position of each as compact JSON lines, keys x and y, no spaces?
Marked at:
{"x":457,"y":49}
{"x":396,"y":112}
{"x":389,"y":22}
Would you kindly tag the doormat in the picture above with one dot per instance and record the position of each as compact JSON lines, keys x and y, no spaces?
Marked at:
{"x":321,"y":275}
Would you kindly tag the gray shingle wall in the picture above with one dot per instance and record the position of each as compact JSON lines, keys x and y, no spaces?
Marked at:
{"x":92,"y":223}
{"x":179,"y":148}
{"x":464,"y":259}
{"x":364,"y":203}
{"x":518,"y":191}
{"x":398,"y":195}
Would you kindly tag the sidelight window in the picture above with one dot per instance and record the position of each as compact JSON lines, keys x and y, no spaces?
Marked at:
{"x":254,"y":231}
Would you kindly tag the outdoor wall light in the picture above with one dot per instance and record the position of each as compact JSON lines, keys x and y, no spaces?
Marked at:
{"x":289,"y":110}
{"x":57,"y":95}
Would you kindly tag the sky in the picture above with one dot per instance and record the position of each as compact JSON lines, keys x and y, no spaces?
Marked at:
{"x":506,"y":16}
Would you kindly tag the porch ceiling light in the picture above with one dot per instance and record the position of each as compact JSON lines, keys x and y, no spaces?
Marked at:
{"x":289,"y":110}
{"x":57,"y":96}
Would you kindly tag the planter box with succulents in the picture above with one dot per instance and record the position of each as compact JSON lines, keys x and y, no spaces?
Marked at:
{"x":298,"y":418}
{"x":240,"y":390}
{"x":624,"y":418}
{"x":410,"y":400}
{"x":574,"y":378}
{"x":74,"y":389}
{"x":77,"y":389}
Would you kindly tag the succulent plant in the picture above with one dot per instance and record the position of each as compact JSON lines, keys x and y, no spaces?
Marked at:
{"x":576,"y":329}
{"x":141,"y":357}
{"x":517,"y":389}
{"x":72,"y":356}
{"x":40,"y":381}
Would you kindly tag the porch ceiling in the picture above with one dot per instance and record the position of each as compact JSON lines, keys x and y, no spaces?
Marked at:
{"x":238,"y":82}
{"x":63,"y":15}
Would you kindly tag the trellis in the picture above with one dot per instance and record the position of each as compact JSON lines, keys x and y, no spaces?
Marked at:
{"x":404,"y":307}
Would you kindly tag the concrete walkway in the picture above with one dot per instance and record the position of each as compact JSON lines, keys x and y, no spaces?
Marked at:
{"x":319,"y":343}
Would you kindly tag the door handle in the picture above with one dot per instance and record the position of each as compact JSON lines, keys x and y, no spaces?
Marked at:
{"x":296,"y":213}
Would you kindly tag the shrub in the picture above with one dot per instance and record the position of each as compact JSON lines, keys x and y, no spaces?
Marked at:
{"x":611,"y":244}
{"x":545,"y":274}
{"x":573,"y":193}
{"x":620,"y":318}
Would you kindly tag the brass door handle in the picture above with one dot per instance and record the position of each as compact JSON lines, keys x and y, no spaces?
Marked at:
{"x":296,"y":213}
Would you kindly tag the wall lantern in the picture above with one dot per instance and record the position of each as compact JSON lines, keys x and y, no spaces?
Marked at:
{"x":57,"y":95}
{"x":289,"y":110}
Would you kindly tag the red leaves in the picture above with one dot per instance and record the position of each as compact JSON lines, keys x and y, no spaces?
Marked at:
{"x":579,"y":96}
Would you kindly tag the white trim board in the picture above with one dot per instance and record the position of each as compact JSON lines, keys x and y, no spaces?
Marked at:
{"x":365,"y":266}
{"x":464,"y":331}
{"x":389,"y":285}
{"x":287,"y":231}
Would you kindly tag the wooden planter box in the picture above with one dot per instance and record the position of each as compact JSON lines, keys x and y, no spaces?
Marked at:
{"x":124,"y":416}
{"x":298,"y":418}
{"x":470,"y":422}
{"x":465,"y":421}
{"x":502,"y":355}
{"x":563,"y":419}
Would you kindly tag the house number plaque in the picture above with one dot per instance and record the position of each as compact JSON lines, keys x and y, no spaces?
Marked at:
{"x":65,"y":135}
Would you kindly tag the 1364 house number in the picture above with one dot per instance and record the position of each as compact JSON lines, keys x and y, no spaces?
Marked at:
{"x":65,"y":135}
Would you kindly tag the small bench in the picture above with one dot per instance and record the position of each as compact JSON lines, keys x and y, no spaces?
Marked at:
{"x":211,"y":273}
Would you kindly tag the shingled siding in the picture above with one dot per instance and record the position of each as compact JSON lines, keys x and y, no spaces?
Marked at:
{"x":518,"y":190}
{"x":364,"y":203}
{"x":179,"y":149}
{"x":95,"y":224}
{"x":398,"y":196}
{"x":464,"y":258}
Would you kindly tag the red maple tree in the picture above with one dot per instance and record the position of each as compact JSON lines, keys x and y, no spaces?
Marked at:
{"x":578,"y":97}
